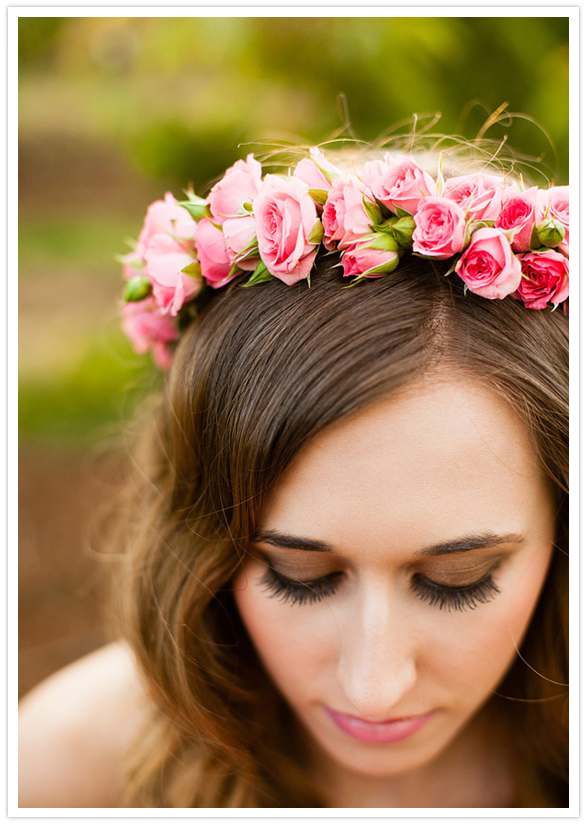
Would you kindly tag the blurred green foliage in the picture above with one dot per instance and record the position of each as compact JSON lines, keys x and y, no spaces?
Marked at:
{"x":169,"y":100}
{"x":38,"y":40}
{"x":180,"y":93}
{"x":85,"y":401}
{"x":88,"y":242}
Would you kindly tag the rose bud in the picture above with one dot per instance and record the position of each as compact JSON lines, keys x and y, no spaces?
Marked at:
{"x":550,"y":232}
{"x":137,"y":289}
{"x":371,"y":257}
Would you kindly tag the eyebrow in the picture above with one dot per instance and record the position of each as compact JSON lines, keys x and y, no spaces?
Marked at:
{"x":460,"y":545}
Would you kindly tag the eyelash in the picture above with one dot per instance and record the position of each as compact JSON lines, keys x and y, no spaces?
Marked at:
{"x":442,"y":596}
{"x":297,"y":592}
{"x":455,"y":598}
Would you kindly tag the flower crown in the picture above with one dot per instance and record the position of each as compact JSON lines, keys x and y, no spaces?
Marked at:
{"x":503,"y":239}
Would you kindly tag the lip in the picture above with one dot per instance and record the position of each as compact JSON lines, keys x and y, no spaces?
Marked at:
{"x":390,"y":730}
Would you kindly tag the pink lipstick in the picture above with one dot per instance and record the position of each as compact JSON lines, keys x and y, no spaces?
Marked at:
{"x":390,"y":730}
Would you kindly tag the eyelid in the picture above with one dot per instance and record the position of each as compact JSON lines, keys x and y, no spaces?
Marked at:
{"x":302,"y":566}
{"x":451,"y":571}
{"x":298,"y":592}
{"x":472,"y":565}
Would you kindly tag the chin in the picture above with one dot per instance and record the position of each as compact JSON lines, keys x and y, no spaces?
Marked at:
{"x":381,"y":761}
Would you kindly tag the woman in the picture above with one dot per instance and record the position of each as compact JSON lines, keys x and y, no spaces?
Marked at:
{"x":345,"y":569}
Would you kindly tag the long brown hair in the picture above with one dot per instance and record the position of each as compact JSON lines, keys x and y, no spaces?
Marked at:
{"x":255,"y":377}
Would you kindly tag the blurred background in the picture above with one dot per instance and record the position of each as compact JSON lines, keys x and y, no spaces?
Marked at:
{"x":113,"y":112}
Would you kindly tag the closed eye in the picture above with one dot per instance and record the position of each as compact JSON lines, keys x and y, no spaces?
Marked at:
{"x":445,"y":597}
{"x":292,"y":591}
{"x":454,"y":598}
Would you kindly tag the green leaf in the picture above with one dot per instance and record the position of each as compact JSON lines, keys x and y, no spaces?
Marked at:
{"x":193,"y":270}
{"x":402,"y":213}
{"x":198,"y":209}
{"x":251,"y":250}
{"x":328,"y":175}
{"x":317,"y":233}
{"x":385,"y":212}
{"x":319,"y":196}
{"x":234,"y":270}
{"x":373,"y":211}
{"x":355,"y":281}
{"x":472,"y":227}
{"x":452,"y":267}
{"x":260,"y":276}
{"x":509,"y":233}
{"x":534,"y":240}
{"x":475,"y":225}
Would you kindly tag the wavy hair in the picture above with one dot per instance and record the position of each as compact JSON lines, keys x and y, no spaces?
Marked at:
{"x":256,"y":376}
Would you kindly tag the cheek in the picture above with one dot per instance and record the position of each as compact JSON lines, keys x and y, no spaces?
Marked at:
{"x":472,"y":651}
{"x":295,"y":643}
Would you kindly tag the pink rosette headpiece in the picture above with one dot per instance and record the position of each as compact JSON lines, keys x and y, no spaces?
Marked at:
{"x":500,"y":240}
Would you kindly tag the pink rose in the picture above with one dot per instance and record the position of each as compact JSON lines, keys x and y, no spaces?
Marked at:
{"x":147,"y":328}
{"x":285,"y":216}
{"x":556,"y":200}
{"x":398,"y":182}
{"x":164,"y":260}
{"x":314,"y":170}
{"x":212,"y":253}
{"x":239,"y":185}
{"x":345,"y":218}
{"x":519,"y":213}
{"x":481,"y":196}
{"x":440,"y":228}
{"x":167,"y":217}
{"x":545,"y":278}
{"x":372,"y":257}
{"x":488,"y":267}
{"x":165,"y":247}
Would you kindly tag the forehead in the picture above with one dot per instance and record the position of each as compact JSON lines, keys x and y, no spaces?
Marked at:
{"x":442,"y":458}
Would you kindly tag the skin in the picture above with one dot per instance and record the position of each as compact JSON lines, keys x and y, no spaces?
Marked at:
{"x":445,"y":459}
{"x":75,"y":728}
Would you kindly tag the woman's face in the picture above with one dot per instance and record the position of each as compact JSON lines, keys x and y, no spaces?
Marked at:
{"x":395,"y":570}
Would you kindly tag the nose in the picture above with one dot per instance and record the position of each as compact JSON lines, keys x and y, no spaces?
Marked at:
{"x":376,"y":667}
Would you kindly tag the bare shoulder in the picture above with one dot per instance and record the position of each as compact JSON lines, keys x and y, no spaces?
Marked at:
{"x":75,"y":728}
